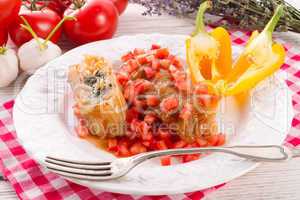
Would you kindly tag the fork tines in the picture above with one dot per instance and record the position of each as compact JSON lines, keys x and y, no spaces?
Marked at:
{"x":80,"y":170}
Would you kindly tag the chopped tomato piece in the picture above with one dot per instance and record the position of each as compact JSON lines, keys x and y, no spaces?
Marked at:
{"x":112,"y":144}
{"x":130,"y":134}
{"x":179,"y":75}
{"x":76,"y":111}
{"x":165,"y":161}
{"x":162,"y":53}
{"x":129,"y":92}
{"x":205,"y":100}
{"x":176,"y":62}
{"x":155,"y":64}
{"x":140,"y":104}
{"x":214,"y":99}
{"x":201,"y":142}
{"x":155,"y":46}
{"x":82,"y":131}
{"x":142,"y":86}
{"x":138,"y":51}
{"x":180,"y":144}
{"x":221,"y":139}
{"x":145,"y":131}
{"x":133,"y":65}
{"x":173,"y":69}
{"x":165,"y":63}
{"x":212,"y":140}
{"x":186,"y":112}
{"x":169,"y":103}
{"x":181,"y":85}
{"x":142,"y":60}
{"x":189,"y":158}
{"x":132,"y":114}
{"x":122,"y":78}
{"x":150,"y":72}
{"x":149,"y":118}
{"x":82,"y":122}
{"x":164,"y":134}
{"x":146,"y":143}
{"x":201,"y":88}
{"x":152,"y":100}
{"x":135,"y":126}
{"x":161,"y":145}
{"x":124,"y":152}
{"x":127,"y":57}
{"x":137,"y":148}
{"x":208,"y":100}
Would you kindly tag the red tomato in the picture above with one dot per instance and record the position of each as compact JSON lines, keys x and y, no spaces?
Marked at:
{"x":121,"y":5}
{"x":9,"y":10}
{"x":42,"y":22}
{"x":95,"y":20}
{"x":59,"y":6}
{"x":3,"y":37}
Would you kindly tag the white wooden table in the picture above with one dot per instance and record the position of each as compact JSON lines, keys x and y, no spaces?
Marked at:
{"x":267,"y":182}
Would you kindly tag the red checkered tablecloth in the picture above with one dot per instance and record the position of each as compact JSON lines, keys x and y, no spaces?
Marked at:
{"x":33,"y":182}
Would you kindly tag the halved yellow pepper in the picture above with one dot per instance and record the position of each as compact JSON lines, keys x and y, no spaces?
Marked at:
{"x":259,"y":60}
{"x":224,"y":59}
{"x":208,"y":54}
{"x":252,"y":77}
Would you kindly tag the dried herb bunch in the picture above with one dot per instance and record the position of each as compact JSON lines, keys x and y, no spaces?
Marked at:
{"x":245,"y":14}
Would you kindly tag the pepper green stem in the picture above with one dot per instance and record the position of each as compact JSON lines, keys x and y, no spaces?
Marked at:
{"x":3,"y":50}
{"x":31,"y":31}
{"x":270,"y":27}
{"x":200,"y":25}
{"x":57,"y":27}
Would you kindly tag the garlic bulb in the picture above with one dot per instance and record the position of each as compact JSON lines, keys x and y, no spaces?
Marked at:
{"x":8,"y":67}
{"x":32,"y":56}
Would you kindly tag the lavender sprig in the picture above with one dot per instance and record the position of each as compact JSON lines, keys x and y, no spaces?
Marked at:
{"x":244,"y":14}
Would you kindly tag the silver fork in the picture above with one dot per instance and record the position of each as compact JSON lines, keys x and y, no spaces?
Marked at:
{"x":100,"y":171}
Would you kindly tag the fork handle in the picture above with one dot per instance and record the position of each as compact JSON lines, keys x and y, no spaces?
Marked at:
{"x":265,"y":153}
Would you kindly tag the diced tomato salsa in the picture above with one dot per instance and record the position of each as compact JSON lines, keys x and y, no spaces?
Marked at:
{"x":149,"y":107}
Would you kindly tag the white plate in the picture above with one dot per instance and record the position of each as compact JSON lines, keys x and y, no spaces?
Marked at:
{"x":44,"y":124}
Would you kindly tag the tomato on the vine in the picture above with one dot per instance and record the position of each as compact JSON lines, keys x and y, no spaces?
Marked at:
{"x":41,"y":19}
{"x":9,"y":10}
{"x":121,"y":5}
{"x":3,"y":37}
{"x":58,"y":6}
{"x":95,"y":20}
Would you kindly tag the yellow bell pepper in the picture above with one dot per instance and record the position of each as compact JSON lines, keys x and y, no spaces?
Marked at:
{"x":260,"y":59}
{"x":208,"y":54}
